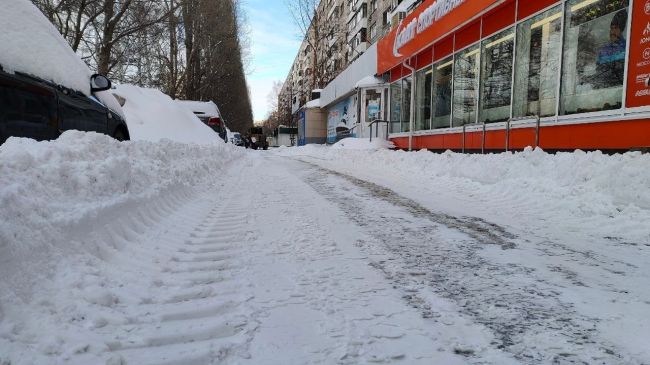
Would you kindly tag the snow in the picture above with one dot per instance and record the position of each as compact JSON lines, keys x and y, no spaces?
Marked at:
{"x":571,"y":227}
{"x":313,"y":104}
{"x":363,"y":144}
{"x":159,"y":253}
{"x":107,"y":98}
{"x":207,"y":108}
{"x":29,"y":43}
{"x":369,"y":81}
{"x":154,"y":116}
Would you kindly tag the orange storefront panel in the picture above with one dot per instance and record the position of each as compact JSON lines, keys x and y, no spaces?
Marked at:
{"x":431,"y":20}
{"x":424,"y":58}
{"x":500,"y":18}
{"x":471,"y":33}
{"x":443,"y":48}
{"x":526,"y":8}
{"x":453,"y":141}
{"x":608,"y":135}
{"x":495,"y":140}
{"x":521,"y":138}
{"x":614,"y":135}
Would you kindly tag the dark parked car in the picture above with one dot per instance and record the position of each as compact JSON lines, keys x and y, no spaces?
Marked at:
{"x":39,"y":109}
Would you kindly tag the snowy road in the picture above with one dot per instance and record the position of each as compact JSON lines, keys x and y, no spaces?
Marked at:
{"x":284,"y":261}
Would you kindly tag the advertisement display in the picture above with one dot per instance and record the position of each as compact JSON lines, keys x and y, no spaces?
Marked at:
{"x":638,"y":77}
{"x":341,"y":118}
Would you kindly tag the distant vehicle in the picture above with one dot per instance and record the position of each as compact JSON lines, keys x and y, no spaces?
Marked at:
{"x":34,"y":108}
{"x":236,"y":139}
{"x":208,"y":113}
{"x":258,"y":139}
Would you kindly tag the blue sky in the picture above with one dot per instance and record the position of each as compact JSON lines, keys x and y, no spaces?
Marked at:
{"x":274,"y":44}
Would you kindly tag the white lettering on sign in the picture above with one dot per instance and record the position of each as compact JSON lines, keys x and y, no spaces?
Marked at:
{"x":424,"y":21}
{"x":644,"y":92}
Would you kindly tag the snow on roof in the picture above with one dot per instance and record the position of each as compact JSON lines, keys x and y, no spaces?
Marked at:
{"x":153,"y":116}
{"x":369,"y":81}
{"x":207,"y":108}
{"x":29,"y":43}
{"x":313,"y":104}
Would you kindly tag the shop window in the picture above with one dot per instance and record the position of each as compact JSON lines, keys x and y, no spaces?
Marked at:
{"x":441,"y":106}
{"x":496,"y":76}
{"x":539,"y":42}
{"x":594,"y":55}
{"x":395,"y":106}
{"x":466,"y":69}
{"x":423,"y":80}
{"x":407,"y":84}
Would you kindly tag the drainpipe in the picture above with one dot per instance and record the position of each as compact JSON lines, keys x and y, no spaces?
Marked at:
{"x":412,"y":106}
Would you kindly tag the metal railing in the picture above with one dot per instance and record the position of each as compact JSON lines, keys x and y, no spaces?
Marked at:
{"x":378,"y":121}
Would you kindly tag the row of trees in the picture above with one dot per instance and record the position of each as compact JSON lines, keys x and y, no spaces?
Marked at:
{"x":189,"y":49}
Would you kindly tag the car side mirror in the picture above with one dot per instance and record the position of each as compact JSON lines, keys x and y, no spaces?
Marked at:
{"x":99,"y":83}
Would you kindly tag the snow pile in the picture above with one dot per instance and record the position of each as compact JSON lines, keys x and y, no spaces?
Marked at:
{"x":363,"y":144}
{"x":49,"y":188}
{"x":29,"y":43}
{"x":607,"y":196}
{"x":207,"y":108}
{"x":154,"y":116}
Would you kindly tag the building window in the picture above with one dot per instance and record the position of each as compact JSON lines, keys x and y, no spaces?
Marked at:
{"x":594,"y":55}
{"x":407,"y":84}
{"x":423,"y":79}
{"x":466,"y":69}
{"x":395,"y":106}
{"x":441,"y":103}
{"x":496,"y":76}
{"x":539,"y":42}
{"x":373,"y":31}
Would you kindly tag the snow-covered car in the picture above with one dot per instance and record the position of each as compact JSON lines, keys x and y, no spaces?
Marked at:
{"x":209,"y":114}
{"x":34,"y":108}
{"x":45,"y":88}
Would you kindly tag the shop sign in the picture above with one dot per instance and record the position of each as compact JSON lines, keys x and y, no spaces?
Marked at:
{"x":430,"y":21}
{"x":638,"y":82}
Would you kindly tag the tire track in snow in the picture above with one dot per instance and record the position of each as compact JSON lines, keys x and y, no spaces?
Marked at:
{"x":433,"y":251}
{"x":201,"y":317}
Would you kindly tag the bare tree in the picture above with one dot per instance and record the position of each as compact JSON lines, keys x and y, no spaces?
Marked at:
{"x":193,"y":49}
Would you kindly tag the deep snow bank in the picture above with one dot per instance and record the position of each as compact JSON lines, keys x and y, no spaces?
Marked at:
{"x":605,"y":195}
{"x":153,"y":116}
{"x":29,"y":43}
{"x":48,"y":188}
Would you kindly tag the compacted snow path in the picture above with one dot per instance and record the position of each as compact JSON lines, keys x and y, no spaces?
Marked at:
{"x":282,"y":261}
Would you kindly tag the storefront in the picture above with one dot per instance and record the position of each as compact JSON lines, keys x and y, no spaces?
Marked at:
{"x":494,"y":75}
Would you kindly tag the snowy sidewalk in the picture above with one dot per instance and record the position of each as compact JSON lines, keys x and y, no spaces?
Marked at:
{"x":281,"y":261}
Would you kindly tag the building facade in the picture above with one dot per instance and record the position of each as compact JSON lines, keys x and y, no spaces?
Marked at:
{"x":351,"y":27}
{"x":494,"y":75}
